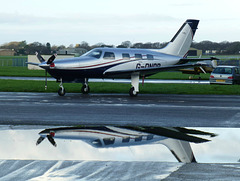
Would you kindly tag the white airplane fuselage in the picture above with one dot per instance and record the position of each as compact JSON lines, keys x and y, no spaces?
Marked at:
{"x":124,"y":59}
{"x":111,"y":137}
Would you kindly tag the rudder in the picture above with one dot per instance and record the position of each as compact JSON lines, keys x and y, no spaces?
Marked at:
{"x":181,"y":42}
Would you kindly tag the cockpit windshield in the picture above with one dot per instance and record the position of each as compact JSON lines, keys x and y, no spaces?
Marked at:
{"x":94,"y":53}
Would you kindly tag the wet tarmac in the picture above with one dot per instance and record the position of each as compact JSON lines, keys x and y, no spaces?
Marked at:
{"x":49,"y":109}
{"x":109,"y":170}
{"x":119,"y":109}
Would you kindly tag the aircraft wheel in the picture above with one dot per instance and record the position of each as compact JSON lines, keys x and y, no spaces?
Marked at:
{"x":61,"y":91}
{"x":132,"y":92}
{"x":85,"y":89}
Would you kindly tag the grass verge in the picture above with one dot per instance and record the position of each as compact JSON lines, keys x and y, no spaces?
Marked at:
{"x":20,"y":72}
{"x":38,"y":86}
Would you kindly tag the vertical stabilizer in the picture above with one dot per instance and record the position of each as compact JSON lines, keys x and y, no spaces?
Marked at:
{"x":180,"y":149}
{"x":181,"y":42}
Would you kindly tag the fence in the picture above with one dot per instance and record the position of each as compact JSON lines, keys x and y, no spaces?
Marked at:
{"x":13,"y":62}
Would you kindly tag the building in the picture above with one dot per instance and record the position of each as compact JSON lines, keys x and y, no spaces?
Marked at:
{"x":7,"y":52}
{"x":194,"y":52}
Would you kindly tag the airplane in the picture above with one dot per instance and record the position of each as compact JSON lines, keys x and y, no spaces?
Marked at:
{"x":122,"y":62}
{"x":176,"y":139}
{"x":206,"y":67}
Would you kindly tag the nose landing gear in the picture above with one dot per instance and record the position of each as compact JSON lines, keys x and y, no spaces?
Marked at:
{"x":85,"y":88}
{"x":61,"y":90}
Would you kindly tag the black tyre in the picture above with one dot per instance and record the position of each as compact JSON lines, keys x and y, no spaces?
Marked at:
{"x":85,"y":89}
{"x":132,"y":92}
{"x":61,"y":91}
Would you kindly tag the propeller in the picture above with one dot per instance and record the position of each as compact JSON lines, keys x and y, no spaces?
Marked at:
{"x":49,"y":137}
{"x":49,"y":62}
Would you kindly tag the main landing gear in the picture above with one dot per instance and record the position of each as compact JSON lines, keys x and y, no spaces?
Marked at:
{"x":85,"y":88}
{"x":133,"y":92}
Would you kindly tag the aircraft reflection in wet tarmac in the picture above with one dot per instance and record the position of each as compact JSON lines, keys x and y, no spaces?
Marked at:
{"x":176,"y":139}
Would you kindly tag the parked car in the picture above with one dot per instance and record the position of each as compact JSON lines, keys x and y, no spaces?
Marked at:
{"x":225,"y":75}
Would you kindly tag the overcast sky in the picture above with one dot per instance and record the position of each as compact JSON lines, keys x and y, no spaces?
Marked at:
{"x":112,"y":22}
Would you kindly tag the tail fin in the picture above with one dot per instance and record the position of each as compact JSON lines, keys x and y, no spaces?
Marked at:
{"x":181,"y":42}
{"x":180,"y":149}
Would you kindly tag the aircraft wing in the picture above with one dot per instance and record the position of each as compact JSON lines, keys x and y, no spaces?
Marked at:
{"x":175,"y":133}
{"x":32,"y":63}
{"x":150,"y":70}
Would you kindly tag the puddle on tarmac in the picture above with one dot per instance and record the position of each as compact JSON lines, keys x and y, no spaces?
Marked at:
{"x":19,"y":142}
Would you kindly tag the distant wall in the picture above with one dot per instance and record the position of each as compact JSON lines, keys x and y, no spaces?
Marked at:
{"x":33,"y":58}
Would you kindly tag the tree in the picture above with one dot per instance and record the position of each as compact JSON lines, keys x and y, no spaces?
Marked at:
{"x":234,"y":48}
{"x":137,"y":45}
{"x":48,"y":48}
{"x":126,"y":44}
{"x":84,"y":45}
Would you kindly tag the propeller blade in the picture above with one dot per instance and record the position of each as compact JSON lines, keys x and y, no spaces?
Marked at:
{"x":40,"y":58}
{"x":203,"y":70}
{"x":51,"y":140}
{"x":40,"y":139}
{"x":51,"y":59}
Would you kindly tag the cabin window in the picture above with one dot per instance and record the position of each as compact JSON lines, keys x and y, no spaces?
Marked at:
{"x":108,"y":141}
{"x":126,"y":139}
{"x":150,"y":57}
{"x":126,"y":56}
{"x":138,"y":56}
{"x":95,"y":53}
{"x":97,"y":143}
{"x":109,"y":55}
{"x":138,"y":138}
{"x":149,"y":137}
